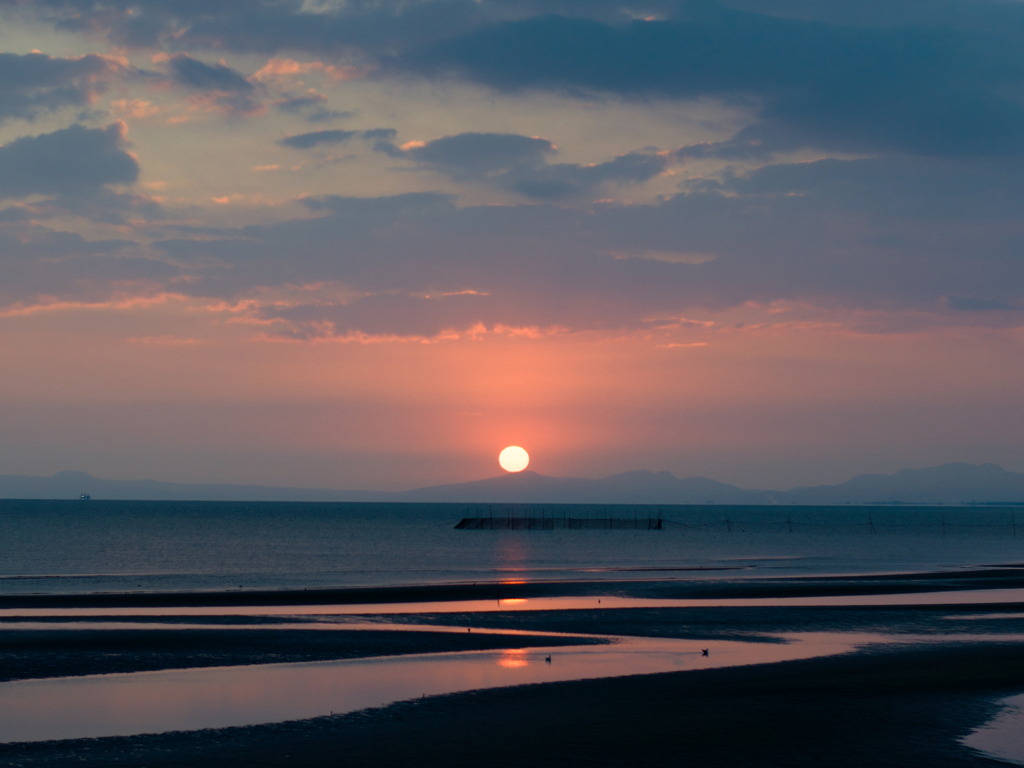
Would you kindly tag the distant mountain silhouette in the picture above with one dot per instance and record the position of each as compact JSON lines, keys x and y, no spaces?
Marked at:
{"x":637,"y":487}
{"x":948,"y":484}
{"x":71,"y":485}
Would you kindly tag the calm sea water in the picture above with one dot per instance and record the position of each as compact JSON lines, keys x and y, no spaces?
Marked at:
{"x":72,"y":546}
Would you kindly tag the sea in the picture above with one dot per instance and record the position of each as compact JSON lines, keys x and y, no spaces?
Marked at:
{"x":95,"y":546}
{"x":82,"y":546}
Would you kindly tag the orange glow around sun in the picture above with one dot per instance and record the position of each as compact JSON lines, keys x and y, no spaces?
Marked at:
{"x":514,"y":459}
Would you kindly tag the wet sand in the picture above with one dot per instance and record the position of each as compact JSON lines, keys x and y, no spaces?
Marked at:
{"x":60,"y":647}
{"x":899,"y":705}
{"x":892,"y":707}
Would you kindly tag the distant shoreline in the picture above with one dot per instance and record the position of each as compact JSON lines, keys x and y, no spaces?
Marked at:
{"x":949,"y":484}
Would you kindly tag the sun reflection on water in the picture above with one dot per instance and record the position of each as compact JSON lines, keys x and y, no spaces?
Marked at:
{"x":513,"y":659}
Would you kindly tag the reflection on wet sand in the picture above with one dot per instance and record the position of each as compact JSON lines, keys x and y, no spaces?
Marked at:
{"x":154,"y":702}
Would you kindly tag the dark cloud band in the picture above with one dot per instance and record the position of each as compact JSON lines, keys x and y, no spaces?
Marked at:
{"x":34,"y":84}
{"x":71,"y":161}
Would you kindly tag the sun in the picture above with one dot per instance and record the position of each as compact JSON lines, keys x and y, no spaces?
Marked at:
{"x":514,"y":459}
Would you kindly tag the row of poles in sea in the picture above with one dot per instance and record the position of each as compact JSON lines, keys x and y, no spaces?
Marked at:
{"x":546,"y":522}
{"x":508,"y":519}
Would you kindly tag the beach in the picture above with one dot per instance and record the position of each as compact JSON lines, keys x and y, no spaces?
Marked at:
{"x":907,"y":701}
{"x":826,"y":646}
{"x":902,"y":706}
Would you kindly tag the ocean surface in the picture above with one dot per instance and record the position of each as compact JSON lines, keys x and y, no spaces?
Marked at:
{"x":87,"y":546}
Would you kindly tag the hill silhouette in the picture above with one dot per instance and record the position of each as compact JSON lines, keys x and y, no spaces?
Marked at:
{"x":946,"y":484}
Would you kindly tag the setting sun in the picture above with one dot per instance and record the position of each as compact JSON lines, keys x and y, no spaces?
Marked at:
{"x":514,"y":459}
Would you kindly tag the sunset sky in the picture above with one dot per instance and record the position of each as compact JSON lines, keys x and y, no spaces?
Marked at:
{"x":369,"y":243}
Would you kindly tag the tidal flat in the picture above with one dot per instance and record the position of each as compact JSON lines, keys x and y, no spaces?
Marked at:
{"x":910,"y":685}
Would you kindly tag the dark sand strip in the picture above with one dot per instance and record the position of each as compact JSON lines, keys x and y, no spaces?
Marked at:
{"x":1008,"y":577}
{"x":897,"y":707}
{"x":743,"y":623}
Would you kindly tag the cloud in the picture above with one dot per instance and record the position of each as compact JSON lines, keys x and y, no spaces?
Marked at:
{"x":916,"y":236}
{"x":74,"y":168}
{"x":922,"y":89}
{"x":34,"y":84}
{"x":69,"y":162}
{"x":562,"y":180}
{"x":192,"y":73}
{"x":969,"y":304}
{"x":381,"y":139}
{"x":482,"y":153}
{"x":416,"y":265}
{"x":104,"y":205}
{"x":909,"y":239}
{"x":386,"y":314}
{"x":40,"y":264}
{"x":220,"y":87}
{"x":282,"y":69}
{"x":891,"y":187}
{"x":926,"y":223}
{"x":317,"y":138}
{"x":518,"y":163}
{"x":269,"y":26}
{"x":276,"y":27}
{"x":312,"y":105}
{"x":805,"y":240}
{"x":934,"y":79}
{"x":383,"y":209}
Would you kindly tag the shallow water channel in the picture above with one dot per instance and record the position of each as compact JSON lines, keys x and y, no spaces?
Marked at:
{"x":219,"y":697}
